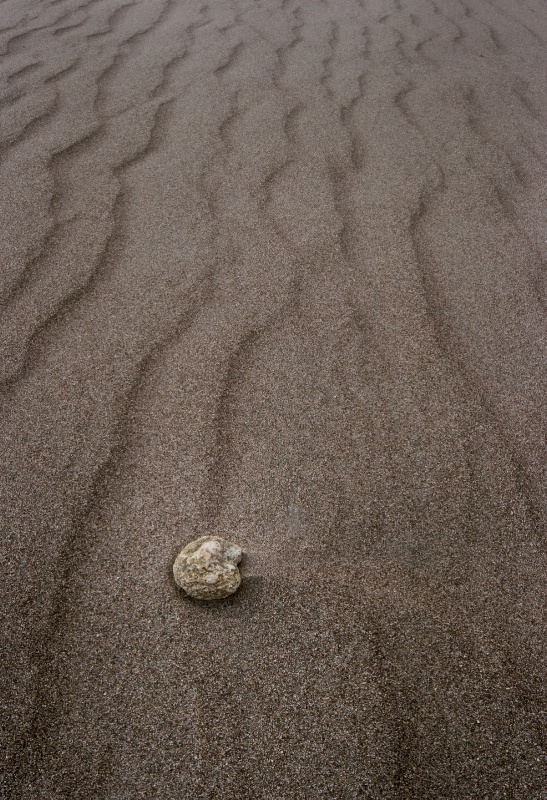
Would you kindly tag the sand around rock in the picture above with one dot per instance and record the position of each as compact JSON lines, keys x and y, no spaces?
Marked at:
{"x":273,"y":269}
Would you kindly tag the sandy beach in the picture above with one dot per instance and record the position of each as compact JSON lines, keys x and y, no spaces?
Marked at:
{"x":273,"y":270}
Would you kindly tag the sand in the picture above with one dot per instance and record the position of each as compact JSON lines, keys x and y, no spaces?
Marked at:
{"x":273,"y":270}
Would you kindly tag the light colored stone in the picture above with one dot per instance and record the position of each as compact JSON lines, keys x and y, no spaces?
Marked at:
{"x":207,"y":568}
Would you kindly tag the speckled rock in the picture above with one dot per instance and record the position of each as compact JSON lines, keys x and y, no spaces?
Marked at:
{"x":207,"y":568}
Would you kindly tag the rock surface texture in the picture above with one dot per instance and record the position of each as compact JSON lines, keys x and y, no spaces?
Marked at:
{"x":207,"y":568}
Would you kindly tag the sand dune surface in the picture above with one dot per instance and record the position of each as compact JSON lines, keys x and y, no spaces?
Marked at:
{"x":273,"y":270}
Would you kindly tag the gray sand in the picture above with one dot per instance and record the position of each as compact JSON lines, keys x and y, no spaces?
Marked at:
{"x":273,"y":270}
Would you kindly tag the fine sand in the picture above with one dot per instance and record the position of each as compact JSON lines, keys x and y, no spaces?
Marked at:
{"x":274,"y":270}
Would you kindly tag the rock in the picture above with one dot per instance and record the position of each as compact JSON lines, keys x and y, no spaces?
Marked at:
{"x":207,"y":568}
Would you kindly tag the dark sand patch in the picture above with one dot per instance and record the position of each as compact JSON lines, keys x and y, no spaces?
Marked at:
{"x":273,"y":270}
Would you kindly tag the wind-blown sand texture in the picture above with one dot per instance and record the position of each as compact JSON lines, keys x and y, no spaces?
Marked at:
{"x":273,"y":269}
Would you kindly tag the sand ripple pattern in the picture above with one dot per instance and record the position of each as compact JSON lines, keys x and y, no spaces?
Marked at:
{"x":273,"y":269}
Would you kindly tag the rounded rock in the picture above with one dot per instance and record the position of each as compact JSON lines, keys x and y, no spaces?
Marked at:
{"x":207,"y":568}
